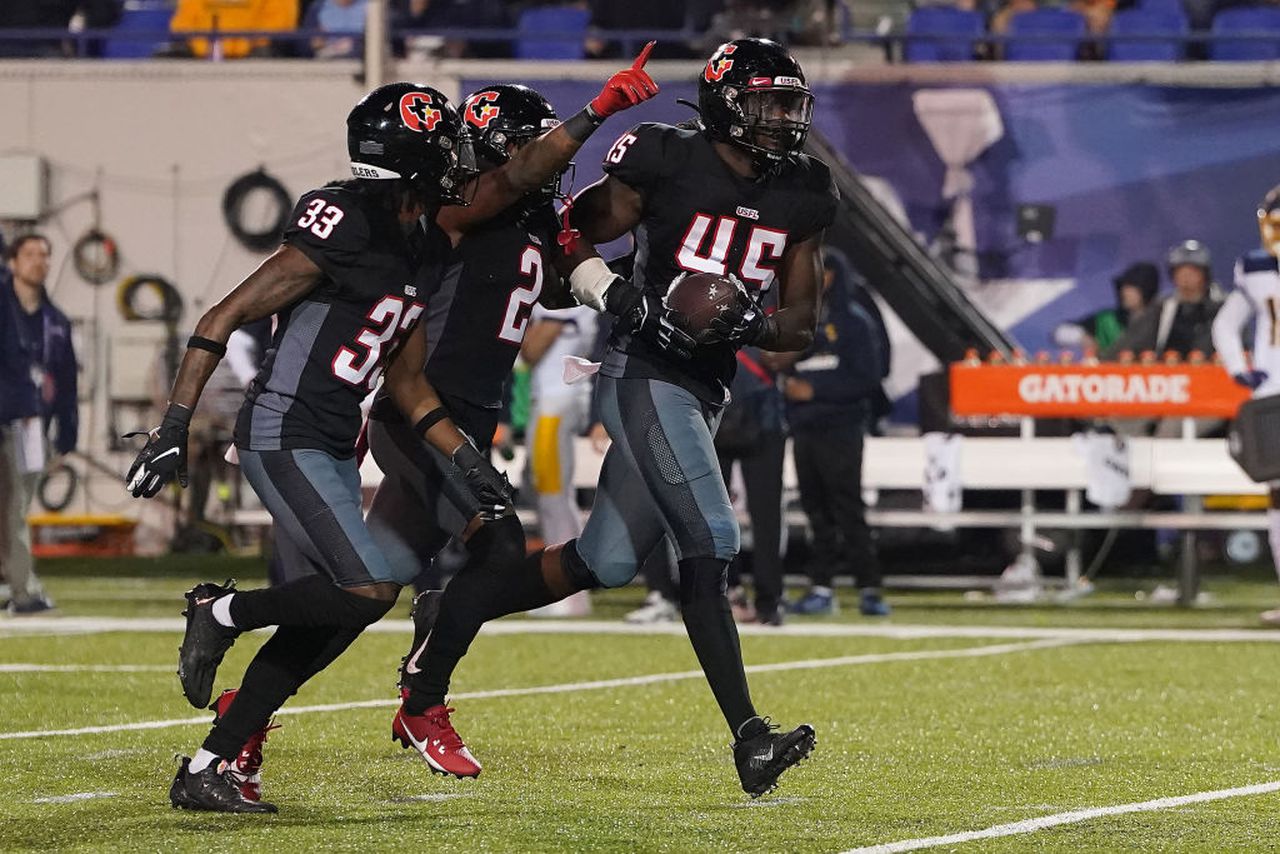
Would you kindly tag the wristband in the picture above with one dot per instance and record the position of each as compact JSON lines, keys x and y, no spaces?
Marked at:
{"x":582,"y":124}
{"x":199,"y":342}
{"x":176,"y":415}
{"x":589,"y":281}
{"x":430,"y":420}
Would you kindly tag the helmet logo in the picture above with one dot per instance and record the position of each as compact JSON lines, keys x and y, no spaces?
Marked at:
{"x":481,"y":110}
{"x":417,"y":113}
{"x":718,"y":67}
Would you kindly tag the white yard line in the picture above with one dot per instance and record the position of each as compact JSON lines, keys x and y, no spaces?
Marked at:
{"x":1032,"y":825}
{"x":624,"y":682}
{"x":13,"y":628}
{"x":87,"y":668}
{"x":70,"y":799}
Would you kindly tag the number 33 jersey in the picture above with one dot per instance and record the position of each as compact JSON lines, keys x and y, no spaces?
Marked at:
{"x":700,"y":217}
{"x":330,"y":347}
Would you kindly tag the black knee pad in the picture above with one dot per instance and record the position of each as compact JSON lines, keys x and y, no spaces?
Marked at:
{"x":576,"y":568}
{"x":497,"y":544}
{"x":703,"y":578}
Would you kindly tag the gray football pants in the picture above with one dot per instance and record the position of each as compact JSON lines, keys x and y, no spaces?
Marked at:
{"x":660,"y":477}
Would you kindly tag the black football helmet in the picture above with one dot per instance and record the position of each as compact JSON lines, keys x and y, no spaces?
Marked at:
{"x":510,"y":114}
{"x":1269,"y":221}
{"x":752,"y":94}
{"x":404,"y":131}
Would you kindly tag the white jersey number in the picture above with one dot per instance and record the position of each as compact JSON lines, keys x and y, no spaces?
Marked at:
{"x":515,"y":322}
{"x":320,"y":218}
{"x":386,"y":318}
{"x":763,"y":244}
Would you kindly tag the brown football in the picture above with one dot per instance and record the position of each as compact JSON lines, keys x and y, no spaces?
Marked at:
{"x":698,"y":298}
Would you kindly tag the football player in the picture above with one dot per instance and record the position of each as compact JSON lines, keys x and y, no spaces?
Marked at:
{"x":736,"y":196}
{"x":346,"y":286}
{"x":1257,"y":297}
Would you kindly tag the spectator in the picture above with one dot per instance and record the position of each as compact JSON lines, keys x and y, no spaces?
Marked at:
{"x":656,"y":15}
{"x":337,"y":16}
{"x":37,"y":388}
{"x":196,"y":15}
{"x":441,"y":14}
{"x":831,"y":401}
{"x":1135,"y":288}
{"x":751,"y":432}
{"x":1183,"y":321}
{"x":53,"y":15}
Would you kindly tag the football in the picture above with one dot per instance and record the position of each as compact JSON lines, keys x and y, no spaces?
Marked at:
{"x":698,"y":298}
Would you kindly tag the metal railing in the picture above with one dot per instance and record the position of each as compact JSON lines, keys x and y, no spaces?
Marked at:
{"x":86,"y":43}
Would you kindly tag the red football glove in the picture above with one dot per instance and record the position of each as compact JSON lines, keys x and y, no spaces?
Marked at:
{"x":626,"y":88}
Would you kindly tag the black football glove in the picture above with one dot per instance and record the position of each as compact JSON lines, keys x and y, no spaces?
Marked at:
{"x":490,"y":487}
{"x":743,"y":322}
{"x":648,"y":318}
{"x":163,"y":458}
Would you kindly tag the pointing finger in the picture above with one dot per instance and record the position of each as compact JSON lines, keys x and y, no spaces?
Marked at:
{"x":644,"y":56}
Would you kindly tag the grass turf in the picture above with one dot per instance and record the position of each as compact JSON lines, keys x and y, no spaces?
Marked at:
{"x":906,"y":748}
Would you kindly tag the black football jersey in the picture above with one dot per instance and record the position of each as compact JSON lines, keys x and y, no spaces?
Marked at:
{"x":329,"y":347}
{"x":700,"y":217}
{"x":477,"y":318}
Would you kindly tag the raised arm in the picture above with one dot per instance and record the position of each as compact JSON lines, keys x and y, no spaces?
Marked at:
{"x":535,"y":163}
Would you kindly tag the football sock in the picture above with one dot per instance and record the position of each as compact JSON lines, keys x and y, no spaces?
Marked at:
{"x":483,"y":590}
{"x":202,"y":760}
{"x":1273,"y":521}
{"x":222,"y":611}
{"x":709,"y":622}
{"x":310,"y":601}
{"x":288,"y":659}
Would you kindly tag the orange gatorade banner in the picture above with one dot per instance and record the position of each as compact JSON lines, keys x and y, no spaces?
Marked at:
{"x":1095,"y":391}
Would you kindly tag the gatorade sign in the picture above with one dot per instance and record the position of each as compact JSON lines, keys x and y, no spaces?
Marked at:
{"x":1097,"y":391}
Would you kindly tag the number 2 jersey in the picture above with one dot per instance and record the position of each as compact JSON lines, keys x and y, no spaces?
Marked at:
{"x":329,"y":347}
{"x":1257,"y":296}
{"x":477,"y":315}
{"x":700,"y":217}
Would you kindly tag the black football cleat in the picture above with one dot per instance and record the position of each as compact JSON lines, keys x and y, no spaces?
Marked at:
{"x":762,"y":758}
{"x":426,"y":607}
{"x":211,"y":790}
{"x":205,"y":643}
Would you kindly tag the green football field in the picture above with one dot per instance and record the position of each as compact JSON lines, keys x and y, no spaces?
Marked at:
{"x":1108,"y":724}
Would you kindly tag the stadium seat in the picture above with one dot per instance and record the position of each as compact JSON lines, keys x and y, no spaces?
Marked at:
{"x":964,"y":25}
{"x":1246,"y":19}
{"x":539,"y":22}
{"x":1049,"y":21}
{"x":1145,"y":22}
{"x":140,"y":16}
{"x":1169,"y":7}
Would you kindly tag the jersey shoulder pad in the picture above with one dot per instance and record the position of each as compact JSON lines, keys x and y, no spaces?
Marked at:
{"x":328,"y":221}
{"x":1258,"y":261}
{"x":819,"y":185}
{"x":647,"y":153}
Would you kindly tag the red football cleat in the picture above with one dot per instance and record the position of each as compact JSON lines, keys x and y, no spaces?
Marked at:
{"x":246,"y":770}
{"x":431,"y":734}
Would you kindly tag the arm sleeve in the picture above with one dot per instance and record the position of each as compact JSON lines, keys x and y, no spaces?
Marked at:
{"x":641,"y":157}
{"x":329,"y":227}
{"x":1233,"y":315}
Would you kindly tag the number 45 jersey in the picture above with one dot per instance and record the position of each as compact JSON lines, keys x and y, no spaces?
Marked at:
{"x":329,"y":347}
{"x":700,"y":217}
